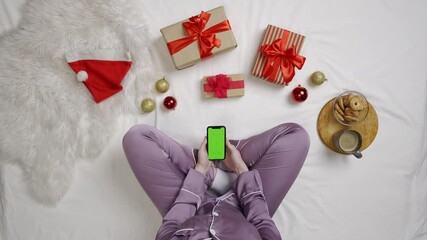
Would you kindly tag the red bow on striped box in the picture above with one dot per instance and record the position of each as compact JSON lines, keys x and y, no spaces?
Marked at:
{"x":278,"y":56}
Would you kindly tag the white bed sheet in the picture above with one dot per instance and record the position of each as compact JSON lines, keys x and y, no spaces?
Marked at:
{"x":376,"y":47}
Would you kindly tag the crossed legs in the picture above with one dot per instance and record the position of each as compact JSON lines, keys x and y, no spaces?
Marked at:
{"x":160,"y":164}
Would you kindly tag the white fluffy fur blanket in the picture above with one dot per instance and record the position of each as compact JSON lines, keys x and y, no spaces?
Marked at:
{"x":48,"y":120}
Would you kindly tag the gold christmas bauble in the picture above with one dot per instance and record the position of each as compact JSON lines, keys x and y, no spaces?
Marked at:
{"x":148,"y":105}
{"x":162,"y":85}
{"x":318,"y":77}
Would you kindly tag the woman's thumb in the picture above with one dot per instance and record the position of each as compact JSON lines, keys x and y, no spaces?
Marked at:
{"x":203,"y":144}
{"x":229,"y":145}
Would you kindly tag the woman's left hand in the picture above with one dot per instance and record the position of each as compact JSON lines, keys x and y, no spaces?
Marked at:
{"x":203,"y":164}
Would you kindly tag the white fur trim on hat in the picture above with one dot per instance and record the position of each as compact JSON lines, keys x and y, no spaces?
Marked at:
{"x":98,"y":54}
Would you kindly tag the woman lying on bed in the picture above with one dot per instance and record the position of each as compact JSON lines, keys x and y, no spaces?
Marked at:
{"x":249,"y":184}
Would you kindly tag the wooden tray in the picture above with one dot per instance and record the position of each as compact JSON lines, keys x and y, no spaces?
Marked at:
{"x":327,"y":126}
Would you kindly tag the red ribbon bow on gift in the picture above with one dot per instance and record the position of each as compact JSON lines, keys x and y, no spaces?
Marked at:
{"x":219,"y":85}
{"x":278,"y":56}
{"x":206,"y":38}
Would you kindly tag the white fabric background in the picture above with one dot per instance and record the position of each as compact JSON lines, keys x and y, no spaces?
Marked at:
{"x":376,"y":47}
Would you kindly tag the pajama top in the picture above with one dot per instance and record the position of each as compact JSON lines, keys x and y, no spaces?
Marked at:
{"x":241,"y":213}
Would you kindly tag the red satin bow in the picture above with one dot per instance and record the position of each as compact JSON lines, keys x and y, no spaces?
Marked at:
{"x":218,"y":84}
{"x":206,"y":38}
{"x":277,"y":56}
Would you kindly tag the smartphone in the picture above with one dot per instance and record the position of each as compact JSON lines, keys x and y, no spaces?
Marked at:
{"x":216,"y":142}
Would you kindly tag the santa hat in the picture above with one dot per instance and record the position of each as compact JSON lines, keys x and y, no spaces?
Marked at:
{"x":101,"y":71}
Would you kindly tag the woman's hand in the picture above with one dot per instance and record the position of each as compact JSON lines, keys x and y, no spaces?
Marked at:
{"x":234,"y":160}
{"x":203,"y":164}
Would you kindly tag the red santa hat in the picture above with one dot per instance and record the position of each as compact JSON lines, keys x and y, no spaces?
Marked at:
{"x":101,"y":71}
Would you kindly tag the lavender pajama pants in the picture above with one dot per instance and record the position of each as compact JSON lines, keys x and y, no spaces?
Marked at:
{"x":160,"y":164}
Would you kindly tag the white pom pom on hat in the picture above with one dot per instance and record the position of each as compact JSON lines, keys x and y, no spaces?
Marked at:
{"x":82,"y":76}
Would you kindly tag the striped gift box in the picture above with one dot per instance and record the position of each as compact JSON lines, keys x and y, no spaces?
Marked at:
{"x":290,"y":39}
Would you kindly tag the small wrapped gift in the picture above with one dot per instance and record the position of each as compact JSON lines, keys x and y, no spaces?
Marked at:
{"x":199,"y":37}
{"x":224,"y":86}
{"x":278,"y":56}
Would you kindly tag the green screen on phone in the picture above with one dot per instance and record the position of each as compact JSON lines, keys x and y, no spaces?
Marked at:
{"x":216,"y":143}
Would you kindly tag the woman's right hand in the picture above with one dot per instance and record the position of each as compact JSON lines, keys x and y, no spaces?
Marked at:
{"x":233,"y":159}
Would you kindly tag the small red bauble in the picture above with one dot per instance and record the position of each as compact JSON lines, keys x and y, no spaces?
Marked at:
{"x":299,"y":94}
{"x":169,"y":103}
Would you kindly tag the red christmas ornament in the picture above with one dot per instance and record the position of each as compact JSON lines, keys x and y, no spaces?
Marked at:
{"x":169,"y":103}
{"x":299,"y":94}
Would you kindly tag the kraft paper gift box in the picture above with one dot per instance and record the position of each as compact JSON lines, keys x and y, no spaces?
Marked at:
{"x":223,"y":86}
{"x":183,"y":38}
{"x":278,"y":55}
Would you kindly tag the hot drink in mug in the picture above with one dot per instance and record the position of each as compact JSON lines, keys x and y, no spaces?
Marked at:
{"x":348,"y":141}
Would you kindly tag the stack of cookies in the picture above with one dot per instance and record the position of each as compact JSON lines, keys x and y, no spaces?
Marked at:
{"x":350,"y":108}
